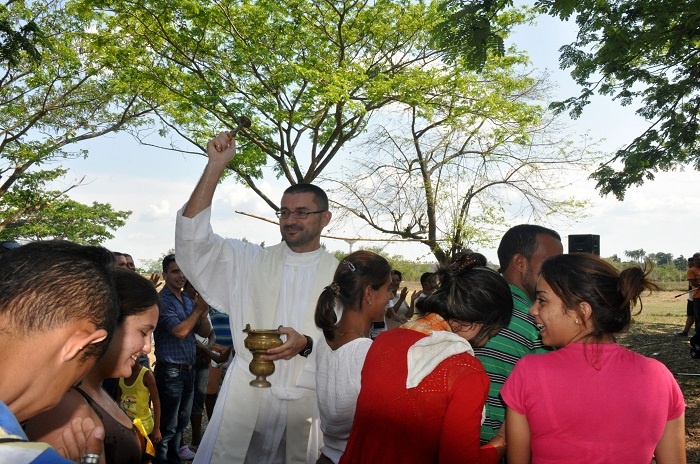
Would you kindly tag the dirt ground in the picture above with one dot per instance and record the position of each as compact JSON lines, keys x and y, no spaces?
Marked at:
{"x":652,"y":334}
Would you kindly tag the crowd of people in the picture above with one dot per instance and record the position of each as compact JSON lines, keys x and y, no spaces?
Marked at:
{"x":517,"y":366}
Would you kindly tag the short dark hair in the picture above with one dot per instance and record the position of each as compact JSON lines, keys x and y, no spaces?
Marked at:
{"x":320,"y":197}
{"x":136,"y":293}
{"x":166,"y":262}
{"x":425,"y":276}
{"x":398,"y":273}
{"x":354,"y":274}
{"x":470,"y":293}
{"x":521,"y":239}
{"x":584,"y":277}
{"x":46,"y":285}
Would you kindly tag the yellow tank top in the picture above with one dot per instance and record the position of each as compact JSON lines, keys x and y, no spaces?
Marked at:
{"x":135,"y":401}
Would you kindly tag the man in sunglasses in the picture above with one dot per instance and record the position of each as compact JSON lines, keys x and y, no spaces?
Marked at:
{"x":267,"y":288}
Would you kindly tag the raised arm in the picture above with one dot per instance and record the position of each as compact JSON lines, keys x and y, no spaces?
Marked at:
{"x":185,"y":327}
{"x":220,"y":151}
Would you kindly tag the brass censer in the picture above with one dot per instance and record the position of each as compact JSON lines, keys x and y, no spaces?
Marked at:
{"x":258,"y":342}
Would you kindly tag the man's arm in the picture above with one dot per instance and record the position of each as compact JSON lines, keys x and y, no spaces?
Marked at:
{"x":185,"y":327}
{"x":220,"y":151}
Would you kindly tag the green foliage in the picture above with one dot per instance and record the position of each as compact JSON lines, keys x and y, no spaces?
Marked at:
{"x":17,"y":39}
{"x":638,"y":52}
{"x":474,"y":31}
{"x":668,"y":273}
{"x":636,"y":255}
{"x":410,"y":270}
{"x":155,"y":266}
{"x":308,"y":73}
{"x":681,"y":263}
{"x":55,"y":90}
{"x":448,"y":164}
{"x":634,"y":51}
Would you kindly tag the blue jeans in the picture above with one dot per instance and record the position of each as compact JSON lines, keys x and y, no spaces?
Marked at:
{"x":201,"y":379}
{"x":176,"y":390}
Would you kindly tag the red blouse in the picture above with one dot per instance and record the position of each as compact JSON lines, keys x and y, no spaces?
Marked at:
{"x":439,"y":421}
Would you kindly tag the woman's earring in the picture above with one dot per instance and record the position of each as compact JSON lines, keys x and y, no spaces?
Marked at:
{"x":576,"y":321}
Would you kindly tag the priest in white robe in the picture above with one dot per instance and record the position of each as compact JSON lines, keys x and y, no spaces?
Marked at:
{"x":266,"y":288}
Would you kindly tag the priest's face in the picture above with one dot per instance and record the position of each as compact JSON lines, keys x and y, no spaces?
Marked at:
{"x":302,"y":235}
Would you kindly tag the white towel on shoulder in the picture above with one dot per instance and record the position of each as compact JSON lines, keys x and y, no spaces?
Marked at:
{"x":428,"y":352}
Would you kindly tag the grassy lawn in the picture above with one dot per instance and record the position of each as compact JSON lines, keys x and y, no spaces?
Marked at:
{"x":652,"y":334}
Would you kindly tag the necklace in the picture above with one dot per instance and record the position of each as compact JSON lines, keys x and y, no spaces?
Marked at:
{"x":352,"y":330}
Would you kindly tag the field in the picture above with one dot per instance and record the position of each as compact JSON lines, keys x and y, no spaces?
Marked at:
{"x":652,"y":335}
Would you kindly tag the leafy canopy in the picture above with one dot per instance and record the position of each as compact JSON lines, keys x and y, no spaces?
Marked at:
{"x":638,"y":52}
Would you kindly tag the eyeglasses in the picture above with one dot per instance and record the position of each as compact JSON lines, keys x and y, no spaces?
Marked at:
{"x":284,"y":214}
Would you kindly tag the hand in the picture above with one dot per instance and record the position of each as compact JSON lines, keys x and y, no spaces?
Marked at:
{"x":404,"y":293}
{"x":156,"y":436}
{"x":292,"y":347}
{"x":155,"y":279}
{"x":414,"y":295}
{"x":499,"y":441}
{"x":82,"y":437}
{"x":200,"y":306}
{"x":221,"y":149}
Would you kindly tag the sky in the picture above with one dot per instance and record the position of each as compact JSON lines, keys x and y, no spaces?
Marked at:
{"x":154,"y":184}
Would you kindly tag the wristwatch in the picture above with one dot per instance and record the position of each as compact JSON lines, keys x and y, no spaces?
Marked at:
{"x":308,"y":348}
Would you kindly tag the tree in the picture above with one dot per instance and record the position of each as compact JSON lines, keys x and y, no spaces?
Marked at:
{"x":30,"y":211}
{"x":637,"y":52}
{"x":448,"y":171}
{"x":637,"y":255}
{"x":681,"y":263}
{"x":308,"y":73}
{"x":660,"y":258}
{"x":55,"y":90}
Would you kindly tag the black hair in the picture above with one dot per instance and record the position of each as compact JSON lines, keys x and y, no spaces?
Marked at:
{"x":136,"y":293}
{"x":166,"y":262}
{"x":584,"y":277}
{"x":425,"y":276}
{"x":46,"y":285}
{"x":320,"y":197}
{"x":521,"y":239}
{"x":354,"y":274}
{"x":398,"y":273}
{"x":470,"y":293}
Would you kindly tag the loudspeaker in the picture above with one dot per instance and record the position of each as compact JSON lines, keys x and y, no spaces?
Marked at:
{"x":584,"y":244}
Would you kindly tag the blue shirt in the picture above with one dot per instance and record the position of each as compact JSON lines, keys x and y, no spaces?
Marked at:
{"x":172,"y":312}
{"x":222,"y":327}
{"x":16,"y":449}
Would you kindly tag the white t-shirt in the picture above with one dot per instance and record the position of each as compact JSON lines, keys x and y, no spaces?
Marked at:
{"x":338,"y":376}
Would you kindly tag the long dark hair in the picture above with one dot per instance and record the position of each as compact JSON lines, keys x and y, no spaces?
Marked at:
{"x":470,"y":293}
{"x":583,"y":277}
{"x":354,"y":274}
{"x":136,"y":293}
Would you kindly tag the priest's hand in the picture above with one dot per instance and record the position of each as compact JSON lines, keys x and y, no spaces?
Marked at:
{"x":289,"y":349}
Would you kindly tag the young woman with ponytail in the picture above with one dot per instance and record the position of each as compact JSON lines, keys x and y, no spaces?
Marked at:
{"x":591,"y":401}
{"x":423,"y":391}
{"x":359,"y":292}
